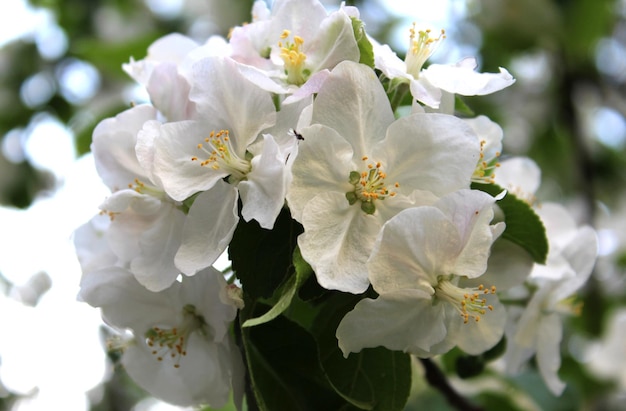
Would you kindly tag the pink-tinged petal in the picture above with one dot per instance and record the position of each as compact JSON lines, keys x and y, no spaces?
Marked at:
{"x":353,"y":103}
{"x":404,"y":321}
{"x":209,"y":227}
{"x":113,"y":146}
{"x":337,"y":241}
{"x":263,"y":193}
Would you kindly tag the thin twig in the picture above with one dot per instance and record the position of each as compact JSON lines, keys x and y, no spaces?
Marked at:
{"x":438,"y":380}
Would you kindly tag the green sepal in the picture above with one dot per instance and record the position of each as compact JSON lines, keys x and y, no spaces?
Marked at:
{"x":354,"y":177}
{"x":523,"y":225}
{"x":286,"y":292}
{"x":351,"y":197}
{"x":368,"y":207}
{"x":365,"y":47}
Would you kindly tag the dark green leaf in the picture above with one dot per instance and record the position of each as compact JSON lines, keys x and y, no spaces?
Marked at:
{"x":365,"y":47}
{"x":468,"y":366}
{"x":261,"y":258}
{"x":373,"y":379}
{"x":286,"y":292}
{"x":284,"y":368}
{"x":523,"y":226}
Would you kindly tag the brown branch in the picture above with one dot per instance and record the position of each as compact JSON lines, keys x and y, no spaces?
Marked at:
{"x":438,"y":380}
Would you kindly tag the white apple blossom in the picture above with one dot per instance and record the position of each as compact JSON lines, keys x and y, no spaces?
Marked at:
{"x":295,"y":44}
{"x":357,"y":167}
{"x":182,"y":351}
{"x":147,"y":224}
{"x":418,"y":267}
{"x":222,"y":155}
{"x":570,"y":260}
{"x":426,"y":85}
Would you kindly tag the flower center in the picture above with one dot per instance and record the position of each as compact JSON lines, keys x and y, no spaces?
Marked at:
{"x":292,"y":55}
{"x":221,"y":156}
{"x":469,"y":302}
{"x":484,"y":171}
{"x":172,"y":342}
{"x":369,"y":185}
{"x":421,"y":47}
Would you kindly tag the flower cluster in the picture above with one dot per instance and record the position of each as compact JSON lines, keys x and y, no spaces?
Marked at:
{"x":293,"y":121}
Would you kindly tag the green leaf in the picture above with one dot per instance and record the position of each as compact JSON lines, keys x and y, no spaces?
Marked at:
{"x":283,"y":367}
{"x":523,"y":226}
{"x":365,"y":47}
{"x":261,"y":258}
{"x":287,"y":291}
{"x":375,"y":379}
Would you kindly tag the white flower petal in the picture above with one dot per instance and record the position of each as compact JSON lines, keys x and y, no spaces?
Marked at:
{"x":208,"y":229}
{"x":353,"y":103}
{"x":113,"y":146}
{"x":125,"y":303}
{"x":334,"y":42}
{"x":263,"y":193}
{"x":413,"y":249}
{"x":423,"y":91}
{"x":169,"y":92}
{"x":401,"y":321}
{"x":219,"y":91}
{"x":471,"y":212}
{"x":154,"y":267}
{"x":173,"y":165}
{"x":462,"y":79}
{"x":337,"y":241}
{"x":324,"y":163}
{"x":475,"y":338}
{"x":549,"y":334}
{"x":433,"y":152}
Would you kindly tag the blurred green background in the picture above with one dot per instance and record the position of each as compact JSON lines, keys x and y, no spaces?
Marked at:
{"x":566,"y":111}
